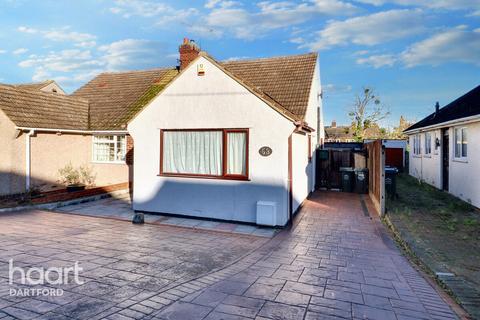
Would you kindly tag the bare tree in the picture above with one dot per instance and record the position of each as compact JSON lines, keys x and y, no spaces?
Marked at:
{"x":366,"y":112}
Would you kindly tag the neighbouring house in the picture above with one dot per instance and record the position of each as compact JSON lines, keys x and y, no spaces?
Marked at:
{"x":42,"y":131}
{"x":45,"y":86}
{"x":230,"y":140}
{"x":334,"y":133}
{"x":440,"y":154}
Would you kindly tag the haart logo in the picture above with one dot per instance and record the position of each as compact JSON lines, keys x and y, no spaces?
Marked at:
{"x":42,"y":276}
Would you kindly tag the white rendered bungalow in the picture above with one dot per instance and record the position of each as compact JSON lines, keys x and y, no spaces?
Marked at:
{"x":444,"y":148}
{"x":229,"y":140}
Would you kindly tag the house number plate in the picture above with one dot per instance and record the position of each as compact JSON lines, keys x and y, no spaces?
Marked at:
{"x":265,"y":151}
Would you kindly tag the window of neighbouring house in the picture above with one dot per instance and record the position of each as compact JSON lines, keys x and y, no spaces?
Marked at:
{"x":428,"y":143}
{"x":416,"y":145}
{"x":461,"y":143}
{"x":217,"y":153}
{"x":109,"y":149}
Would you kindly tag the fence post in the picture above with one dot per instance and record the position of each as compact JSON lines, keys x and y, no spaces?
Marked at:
{"x":382,"y":179}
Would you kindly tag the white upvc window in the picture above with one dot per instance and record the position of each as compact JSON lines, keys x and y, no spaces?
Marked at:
{"x":461,"y":143}
{"x":416,"y":145}
{"x":428,"y":143}
{"x":109,"y":149}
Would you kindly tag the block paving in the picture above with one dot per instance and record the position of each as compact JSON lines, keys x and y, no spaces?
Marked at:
{"x":333,"y":263}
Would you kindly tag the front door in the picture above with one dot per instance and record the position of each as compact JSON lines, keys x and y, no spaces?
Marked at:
{"x":445,"y":158}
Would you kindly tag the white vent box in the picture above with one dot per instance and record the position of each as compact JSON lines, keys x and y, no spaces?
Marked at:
{"x":266,"y":213}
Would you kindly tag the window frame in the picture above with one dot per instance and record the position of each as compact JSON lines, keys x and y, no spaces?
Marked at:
{"x":462,"y":157}
{"x":224,"y":175}
{"x":417,"y":145}
{"x":428,"y":144}
{"x":115,"y":142}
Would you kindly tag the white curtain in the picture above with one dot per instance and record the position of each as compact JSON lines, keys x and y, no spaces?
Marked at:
{"x":237,"y":149}
{"x":192,"y":152}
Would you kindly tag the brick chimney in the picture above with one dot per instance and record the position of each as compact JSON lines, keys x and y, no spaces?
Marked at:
{"x":188,"y":52}
{"x":334,"y":124}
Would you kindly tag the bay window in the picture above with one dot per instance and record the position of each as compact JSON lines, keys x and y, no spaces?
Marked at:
{"x":461,"y":143}
{"x":109,"y":149}
{"x":214,"y":153}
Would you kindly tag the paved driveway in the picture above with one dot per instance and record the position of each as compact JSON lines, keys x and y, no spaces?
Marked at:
{"x":336,"y":263}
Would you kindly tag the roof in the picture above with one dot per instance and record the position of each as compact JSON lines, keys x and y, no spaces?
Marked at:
{"x":116,"y":97}
{"x":111,"y":100}
{"x":340,"y":132}
{"x":466,"y":106}
{"x":287,"y":80}
{"x":37,"y":109}
{"x":34,"y":85}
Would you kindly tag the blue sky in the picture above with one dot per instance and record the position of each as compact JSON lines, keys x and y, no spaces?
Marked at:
{"x":412,"y":52}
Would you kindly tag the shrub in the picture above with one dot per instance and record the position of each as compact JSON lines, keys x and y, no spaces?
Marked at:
{"x":70,"y":175}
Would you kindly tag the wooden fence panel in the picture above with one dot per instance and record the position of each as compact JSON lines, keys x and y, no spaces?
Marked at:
{"x":376,"y":171}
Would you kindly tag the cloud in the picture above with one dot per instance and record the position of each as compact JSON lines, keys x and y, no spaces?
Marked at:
{"x":370,"y":30}
{"x":20,"y":51}
{"x":236,"y":58}
{"x":2,"y":51}
{"x":333,"y":89}
{"x":454,"y":45}
{"x":378,"y":61}
{"x":211,"y":3}
{"x":164,"y":13}
{"x":84,"y":40}
{"x":431,"y":4}
{"x":297,"y":40}
{"x":474,"y":14}
{"x":64,"y":35}
{"x":62,"y":61}
{"x":27,"y":30}
{"x":231,"y":17}
{"x":143,"y":53}
{"x":75,"y":66}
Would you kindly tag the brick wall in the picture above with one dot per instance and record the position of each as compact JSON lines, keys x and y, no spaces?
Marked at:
{"x":129,"y":155}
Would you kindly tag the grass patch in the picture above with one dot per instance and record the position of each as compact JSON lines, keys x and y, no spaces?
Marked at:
{"x":445,"y":229}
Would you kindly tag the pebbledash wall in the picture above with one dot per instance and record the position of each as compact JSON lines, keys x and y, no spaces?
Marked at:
{"x":215,"y":100}
{"x":49,"y":153}
{"x":464,"y":180}
{"x":12,"y":158}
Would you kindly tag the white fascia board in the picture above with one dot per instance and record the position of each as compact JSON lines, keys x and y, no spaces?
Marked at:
{"x":465,"y":120}
{"x":74,"y":131}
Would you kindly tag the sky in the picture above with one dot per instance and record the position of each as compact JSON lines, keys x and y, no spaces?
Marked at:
{"x":411,"y":52}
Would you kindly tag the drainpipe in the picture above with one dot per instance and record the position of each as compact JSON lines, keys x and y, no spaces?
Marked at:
{"x":28,"y":159}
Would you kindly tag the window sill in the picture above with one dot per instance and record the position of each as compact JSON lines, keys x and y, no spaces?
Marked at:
{"x":417,"y":156}
{"x":427,"y":156}
{"x":192,"y":176}
{"x":462,"y":160}
{"x":109,"y":162}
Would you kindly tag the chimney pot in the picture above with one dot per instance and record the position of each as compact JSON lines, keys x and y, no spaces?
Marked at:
{"x":189,"y":50}
{"x":437,"y":108}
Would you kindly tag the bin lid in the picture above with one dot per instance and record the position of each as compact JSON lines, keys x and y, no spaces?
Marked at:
{"x":346,"y":169}
{"x":391,"y":170}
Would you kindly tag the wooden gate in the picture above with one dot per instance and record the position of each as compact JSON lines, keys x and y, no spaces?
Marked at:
{"x":329,"y":162}
{"x":376,"y":171}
